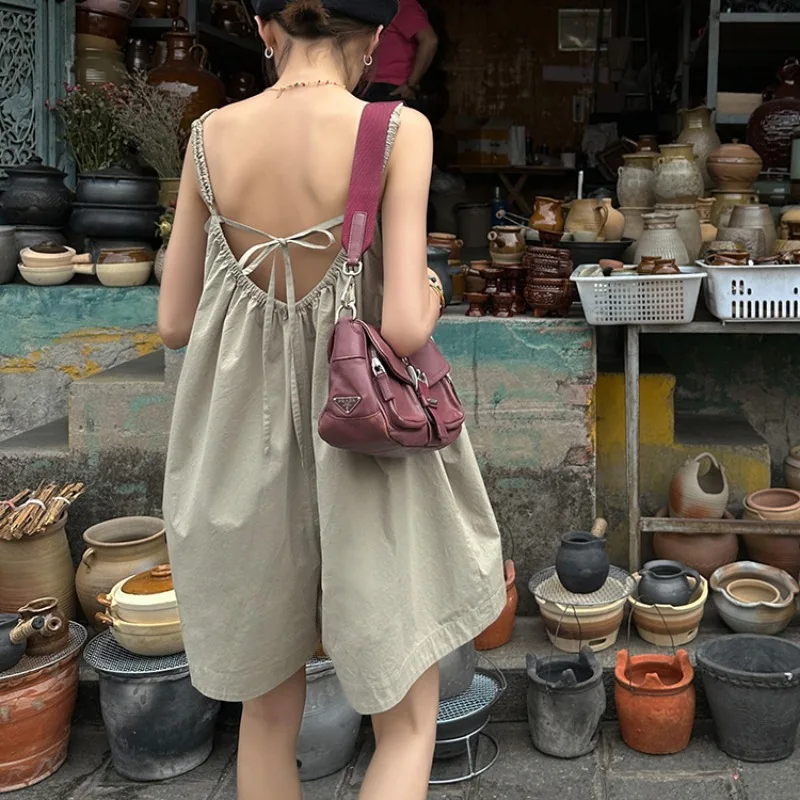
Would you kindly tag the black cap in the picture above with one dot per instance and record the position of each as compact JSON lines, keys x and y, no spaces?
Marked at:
{"x":375,"y":12}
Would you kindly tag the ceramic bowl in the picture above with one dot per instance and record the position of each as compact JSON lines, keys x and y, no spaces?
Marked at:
{"x":791,"y":469}
{"x":120,"y":275}
{"x":734,"y":589}
{"x":33,"y":260}
{"x":47,"y":276}
{"x":145,"y":640}
{"x":779,"y":505}
{"x":670,"y":626}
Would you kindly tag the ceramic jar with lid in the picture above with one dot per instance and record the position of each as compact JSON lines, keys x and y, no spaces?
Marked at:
{"x":756,"y":215}
{"x":661,"y":239}
{"x":181,"y":74}
{"x":698,"y":131}
{"x":636,"y":181}
{"x":734,"y":167}
{"x":687,"y":222}
{"x":678,"y":180}
{"x":148,"y":597}
{"x":772,"y":125}
{"x":36,"y":195}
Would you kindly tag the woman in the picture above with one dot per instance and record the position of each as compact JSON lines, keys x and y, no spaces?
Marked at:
{"x":277,"y":541}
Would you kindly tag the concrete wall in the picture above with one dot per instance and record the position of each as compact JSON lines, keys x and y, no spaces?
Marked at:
{"x":528,"y":386}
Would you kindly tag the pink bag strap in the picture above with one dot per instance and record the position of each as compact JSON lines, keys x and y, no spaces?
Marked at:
{"x":366,"y":181}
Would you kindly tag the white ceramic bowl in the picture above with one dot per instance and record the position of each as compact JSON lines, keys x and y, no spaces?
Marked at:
{"x":47,"y":276}
{"x":33,"y":260}
{"x":119,"y":275}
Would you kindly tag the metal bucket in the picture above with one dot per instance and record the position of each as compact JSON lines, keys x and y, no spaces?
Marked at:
{"x":158,"y":725}
{"x":330,"y":726}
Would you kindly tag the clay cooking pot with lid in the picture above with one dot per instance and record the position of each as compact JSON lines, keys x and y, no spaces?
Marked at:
{"x":734,"y":167}
{"x":146,"y":598}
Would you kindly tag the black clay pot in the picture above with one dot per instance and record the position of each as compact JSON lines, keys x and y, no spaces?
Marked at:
{"x":566,"y":701}
{"x":666,"y":583}
{"x":582,"y":563}
{"x":10,"y":653}
{"x":36,"y":195}
{"x":753,"y":688}
{"x":32,"y":235}
{"x":116,"y":222}
{"x":117,"y":187}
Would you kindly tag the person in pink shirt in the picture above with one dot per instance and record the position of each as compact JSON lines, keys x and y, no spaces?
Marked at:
{"x":406,"y":51}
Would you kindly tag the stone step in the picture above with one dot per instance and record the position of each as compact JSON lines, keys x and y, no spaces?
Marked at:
{"x":529,"y":637}
{"x":50,"y":440}
{"x":128,"y":406}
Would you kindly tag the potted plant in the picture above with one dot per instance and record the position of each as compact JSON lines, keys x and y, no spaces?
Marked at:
{"x":151,"y":119}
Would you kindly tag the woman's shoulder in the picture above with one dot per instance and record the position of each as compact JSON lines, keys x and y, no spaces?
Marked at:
{"x":414,"y":135}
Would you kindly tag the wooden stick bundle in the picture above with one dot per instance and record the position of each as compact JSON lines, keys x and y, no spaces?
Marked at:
{"x":30,"y":512}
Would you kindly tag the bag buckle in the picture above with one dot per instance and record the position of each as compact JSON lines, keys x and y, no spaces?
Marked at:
{"x":416,"y":375}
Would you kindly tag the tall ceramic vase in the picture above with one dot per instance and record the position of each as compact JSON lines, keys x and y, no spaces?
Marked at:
{"x":661,"y":239}
{"x":697,"y":130}
{"x":687,"y":223}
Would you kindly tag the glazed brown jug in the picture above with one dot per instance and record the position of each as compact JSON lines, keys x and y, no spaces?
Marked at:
{"x":182,"y":75}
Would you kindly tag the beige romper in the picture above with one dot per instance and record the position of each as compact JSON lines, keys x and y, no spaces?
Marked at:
{"x":275,"y":538}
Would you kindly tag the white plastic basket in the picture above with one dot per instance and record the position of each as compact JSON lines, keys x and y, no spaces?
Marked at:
{"x":633,"y":299}
{"x":762,"y":293}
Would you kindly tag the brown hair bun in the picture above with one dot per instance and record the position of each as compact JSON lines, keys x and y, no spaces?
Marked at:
{"x":306,"y":19}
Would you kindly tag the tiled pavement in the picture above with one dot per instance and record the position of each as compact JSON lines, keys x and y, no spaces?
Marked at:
{"x":613,"y":772}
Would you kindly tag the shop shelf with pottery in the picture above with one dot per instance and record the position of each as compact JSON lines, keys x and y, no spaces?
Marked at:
{"x":35,"y":559}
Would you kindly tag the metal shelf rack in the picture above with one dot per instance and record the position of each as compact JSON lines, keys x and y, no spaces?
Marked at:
{"x":637,"y":524}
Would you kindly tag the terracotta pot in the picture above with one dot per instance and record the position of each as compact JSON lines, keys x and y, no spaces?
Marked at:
{"x":782,"y":552}
{"x":791,"y":469}
{"x":697,"y":130}
{"x":548,"y":215}
{"x":116,"y":550}
{"x":36,"y":719}
{"x":612,"y":232}
{"x":499,"y":632}
{"x":588,"y":215}
{"x":687,"y":223}
{"x":37,"y":566}
{"x":506,"y":245}
{"x":670,"y":626}
{"x":634,"y":228}
{"x":655,"y":700}
{"x":449,"y":242}
{"x":708,"y":230}
{"x":734,"y":167}
{"x":780,"y":505}
{"x":699,"y":489}
{"x":660,"y":239}
{"x":477,"y":303}
{"x":636,"y":181}
{"x":678,"y":180}
{"x":55,"y":634}
{"x":771,"y":126}
{"x":704,"y":552}
{"x":183,"y":76}
{"x":756,"y":215}
{"x":725,"y":203}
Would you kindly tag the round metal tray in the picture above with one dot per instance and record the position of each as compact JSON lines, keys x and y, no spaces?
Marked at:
{"x":107,"y":657}
{"x":546,"y":587}
{"x":28,"y":664}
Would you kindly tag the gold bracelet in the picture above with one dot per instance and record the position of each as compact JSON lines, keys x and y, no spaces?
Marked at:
{"x":434,"y":284}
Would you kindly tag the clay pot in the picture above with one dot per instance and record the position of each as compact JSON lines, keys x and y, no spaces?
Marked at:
{"x":36,"y":719}
{"x":477,"y":303}
{"x":678,"y":180}
{"x":790,"y":215}
{"x":14,"y":635}
{"x":667,"y":625}
{"x":54,"y":635}
{"x":756,"y":215}
{"x":791,"y":469}
{"x":725,"y":203}
{"x":655,"y":700}
{"x":699,"y":489}
{"x":667,"y":583}
{"x":117,"y":549}
{"x":37,"y":566}
{"x":183,"y":76}
{"x":157,"y":9}
{"x":660,"y":239}
{"x":146,"y":598}
{"x":138,"y":55}
{"x":648,"y":143}
{"x":634,"y":228}
{"x":506,"y":245}
{"x":582,"y":562}
{"x":566,"y":701}
{"x":571,"y":627}
{"x":636,"y":181}
{"x":492,"y":275}
{"x":749,"y":240}
{"x":734,"y":167}
{"x":515,"y":277}
{"x":780,"y":505}
{"x":36,"y":195}
{"x":449,"y":242}
{"x":549,"y":296}
{"x":687,"y":223}
{"x":499,"y":632}
{"x":697,"y":130}
{"x":503,"y":305}
{"x":704,"y":552}
{"x":612,"y":232}
{"x":771,"y":126}
{"x":588,"y":215}
{"x":548,"y":215}
{"x":708,"y":230}
{"x":96,"y":66}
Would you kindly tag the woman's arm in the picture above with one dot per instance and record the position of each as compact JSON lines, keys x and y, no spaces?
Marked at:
{"x":182,"y":281}
{"x":410,"y":306}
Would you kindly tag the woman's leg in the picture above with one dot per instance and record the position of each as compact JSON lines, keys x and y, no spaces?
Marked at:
{"x":404,"y":740}
{"x":267,"y":765}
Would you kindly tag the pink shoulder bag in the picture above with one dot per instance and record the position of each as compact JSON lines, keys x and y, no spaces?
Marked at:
{"x":378,"y":403}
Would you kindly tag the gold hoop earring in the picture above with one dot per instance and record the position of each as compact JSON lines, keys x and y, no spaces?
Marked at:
{"x":269,"y":53}
{"x":368,"y":60}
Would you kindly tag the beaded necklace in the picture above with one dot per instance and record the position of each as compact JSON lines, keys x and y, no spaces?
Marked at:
{"x":304,"y":84}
